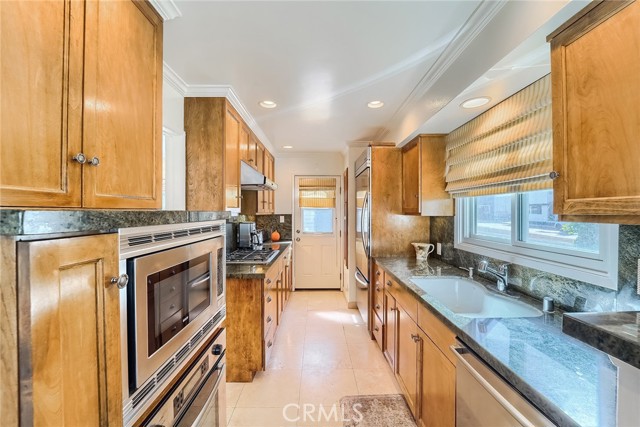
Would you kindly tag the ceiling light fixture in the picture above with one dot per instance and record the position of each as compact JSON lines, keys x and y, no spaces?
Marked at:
{"x":476,"y":102}
{"x":375,"y":104}
{"x":268,"y":104}
{"x":287,"y":146}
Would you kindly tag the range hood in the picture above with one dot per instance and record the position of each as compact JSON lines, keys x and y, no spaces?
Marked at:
{"x":251,"y":179}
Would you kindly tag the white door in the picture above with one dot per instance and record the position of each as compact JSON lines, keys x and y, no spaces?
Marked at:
{"x":316,"y":232}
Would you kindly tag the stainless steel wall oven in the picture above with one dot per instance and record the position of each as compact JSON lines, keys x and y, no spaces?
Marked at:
{"x":174,"y":303}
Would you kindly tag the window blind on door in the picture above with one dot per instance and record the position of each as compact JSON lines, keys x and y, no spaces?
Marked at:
{"x":506,"y":149}
{"x":317,"y":192}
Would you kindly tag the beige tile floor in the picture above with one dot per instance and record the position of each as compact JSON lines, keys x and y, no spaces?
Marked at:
{"x":322,"y":352}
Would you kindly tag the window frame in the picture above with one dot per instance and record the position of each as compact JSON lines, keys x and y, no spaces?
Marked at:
{"x":599,"y":269}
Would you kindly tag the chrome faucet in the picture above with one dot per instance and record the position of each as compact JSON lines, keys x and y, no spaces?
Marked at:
{"x":502,"y":274}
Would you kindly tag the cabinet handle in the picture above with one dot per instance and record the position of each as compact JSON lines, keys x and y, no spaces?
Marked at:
{"x":378,"y":273}
{"x":250,"y":160}
{"x":388,"y":282}
{"x":95,"y":161}
{"x":415,"y":337}
{"x":269,"y":344}
{"x":269,"y":319}
{"x":269,"y":300}
{"x":393,"y":308}
{"x":238,"y":197}
{"x":377,"y":306}
{"x":378,"y":289}
{"x":120,"y":281}
{"x":554,"y":175}
{"x":80,"y":158}
{"x":172,"y":306}
{"x":268,"y":281}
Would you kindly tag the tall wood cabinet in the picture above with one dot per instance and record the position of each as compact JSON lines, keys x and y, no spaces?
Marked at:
{"x":423,"y":183}
{"x":595,"y":75}
{"x":81,"y":101}
{"x":67,"y":325}
{"x":212,"y":128}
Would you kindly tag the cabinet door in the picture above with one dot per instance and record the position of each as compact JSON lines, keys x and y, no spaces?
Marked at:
{"x":390,"y":324}
{"x":407,"y":358}
{"x":70,"y":332}
{"x":260,"y":150}
{"x":41,"y":80}
{"x":245,"y":150}
{"x":270,"y":173}
{"x":232,"y":159}
{"x":596,"y":120}
{"x":411,"y":179}
{"x":438,"y":396}
{"x":123,"y":105}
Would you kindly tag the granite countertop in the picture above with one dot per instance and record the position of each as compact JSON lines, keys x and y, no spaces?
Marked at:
{"x":617,"y":334}
{"x":570,"y":382}
{"x":255,"y":271}
{"x":36,"y":222}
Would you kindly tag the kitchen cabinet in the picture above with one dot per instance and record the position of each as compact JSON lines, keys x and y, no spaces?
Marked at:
{"x":423,"y":184}
{"x":260,"y":153}
{"x":287,"y":281}
{"x":60,"y":361}
{"x":252,"y":321}
{"x":417,"y":348}
{"x":260,"y":202}
{"x":82,"y":81}
{"x":212,"y":128}
{"x":270,"y":172}
{"x":595,"y":76}
{"x":246,"y":153}
{"x":378,"y":311}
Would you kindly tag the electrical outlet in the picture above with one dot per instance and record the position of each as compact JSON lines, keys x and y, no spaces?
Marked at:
{"x":438,"y":248}
{"x":281,"y":219}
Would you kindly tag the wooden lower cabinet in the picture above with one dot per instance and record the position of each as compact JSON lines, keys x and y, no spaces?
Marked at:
{"x":253,"y":312}
{"x":408,"y":359}
{"x":69,"y":332}
{"x":416,"y":345}
{"x":438,"y":394}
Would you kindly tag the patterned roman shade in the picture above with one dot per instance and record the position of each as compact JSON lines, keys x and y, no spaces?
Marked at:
{"x":317,"y":192}
{"x":506,"y":149}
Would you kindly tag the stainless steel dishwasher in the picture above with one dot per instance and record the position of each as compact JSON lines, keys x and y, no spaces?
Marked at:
{"x":484,"y":399}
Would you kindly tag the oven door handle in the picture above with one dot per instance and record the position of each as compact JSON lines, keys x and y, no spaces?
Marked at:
{"x":199,"y":280}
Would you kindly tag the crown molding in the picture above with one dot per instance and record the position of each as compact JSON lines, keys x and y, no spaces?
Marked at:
{"x":166,"y":8}
{"x":216,"y":91}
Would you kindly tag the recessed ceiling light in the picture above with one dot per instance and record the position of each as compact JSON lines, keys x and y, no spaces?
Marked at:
{"x":475,"y":102}
{"x":287,"y":146}
{"x":268,"y":104}
{"x":375,"y":104}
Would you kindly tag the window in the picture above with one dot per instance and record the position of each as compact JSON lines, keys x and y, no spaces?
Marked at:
{"x":521,"y":228}
{"x":317,"y":220}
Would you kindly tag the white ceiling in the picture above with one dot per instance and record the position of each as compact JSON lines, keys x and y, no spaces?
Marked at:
{"x":322,"y":61}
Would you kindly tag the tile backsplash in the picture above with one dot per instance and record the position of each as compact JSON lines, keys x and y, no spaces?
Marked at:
{"x":569,"y":294}
{"x":270,"y":223}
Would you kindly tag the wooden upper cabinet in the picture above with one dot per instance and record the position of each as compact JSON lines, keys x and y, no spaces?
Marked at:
{"x":123,"y":105}
{"x":270,"y":172}
{"x":411,"y":178}
{"x":69,"y":328}
{"x":260,"y":152}
{"x":212,"y":128}
{"x":115,"y":120}
{"x":595,"y":74}
{"x":423,"y":183}
{"x":41,"y":120}
{"x":245,"y":146}
{"x":233,"y":130}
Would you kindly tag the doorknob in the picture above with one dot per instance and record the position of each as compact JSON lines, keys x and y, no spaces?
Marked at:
{"x":297,"y":239}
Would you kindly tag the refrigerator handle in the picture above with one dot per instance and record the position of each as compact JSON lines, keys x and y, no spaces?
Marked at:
{"x":366,"y":213}
{"x":361,"y":279}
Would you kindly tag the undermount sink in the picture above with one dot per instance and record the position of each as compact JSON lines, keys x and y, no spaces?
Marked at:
{"x":470,"y":299}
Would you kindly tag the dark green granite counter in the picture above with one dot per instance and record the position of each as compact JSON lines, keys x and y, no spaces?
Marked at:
{"x":256,"y":271}
{"x":43,"y":222}
{"x":570,"y":382}
{"x":617,"y":334}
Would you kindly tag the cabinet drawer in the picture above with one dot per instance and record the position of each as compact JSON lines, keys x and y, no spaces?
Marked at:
{"x":270,"y":310}
{"x":269,"y":340}
{"x":377,"y":330}
{"x":439,"y":333}
{"x":402,"y":296}
{"x":378,"y":291}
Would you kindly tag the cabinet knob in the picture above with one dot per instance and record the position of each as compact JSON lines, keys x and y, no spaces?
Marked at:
{"x":269,"y":319}
{"x":378,"y":306}
{"x":268,"y":281}
{"x":80,"y":158}
{"x":388,"y":282}
{"x":377,"y":272}
{"x":376,"y":329}
{"x":120,"y":281}
{"x":269,"y":300}
{"x":415,"y":337}
{"x":94,"y":161}
{"x":554,"y":175}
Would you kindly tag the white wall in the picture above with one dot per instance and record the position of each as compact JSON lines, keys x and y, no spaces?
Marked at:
{"x":289,"y":165}
{"x":350,"y":156}
{"x":174,"y":160}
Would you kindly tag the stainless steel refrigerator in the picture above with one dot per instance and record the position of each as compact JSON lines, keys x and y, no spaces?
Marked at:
{"x":363,"y":234}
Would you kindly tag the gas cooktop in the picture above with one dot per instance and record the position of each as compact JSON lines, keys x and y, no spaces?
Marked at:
{"x":251,"y":256}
